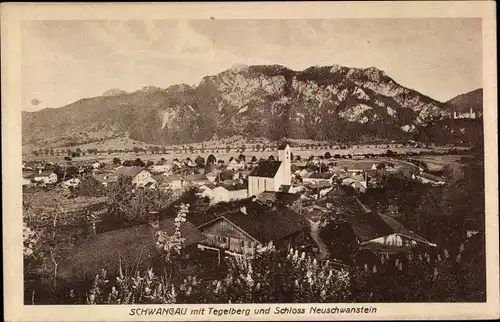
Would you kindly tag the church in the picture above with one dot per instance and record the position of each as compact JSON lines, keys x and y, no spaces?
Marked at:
{"x":271,"y":175}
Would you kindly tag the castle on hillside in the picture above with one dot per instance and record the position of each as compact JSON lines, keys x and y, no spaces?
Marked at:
{"x":470,"y":115}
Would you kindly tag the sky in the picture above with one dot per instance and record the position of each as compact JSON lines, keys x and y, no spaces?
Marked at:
{"x":63,"y":61}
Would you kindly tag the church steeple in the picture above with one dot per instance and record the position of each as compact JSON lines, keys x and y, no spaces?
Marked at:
{"x":284,"y":156}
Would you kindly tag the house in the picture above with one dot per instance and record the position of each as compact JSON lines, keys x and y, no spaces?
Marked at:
{"x":140,"y":176}
{"x":250,"y":225}
{"x":106,"y":179}
{"x":317,"y":177}
{"x":207,"y":190}
{"x":73,"y":182}
{"x":319,"y":189}
{"x":197,"y":179}
{"x":212,"y":176}
{"x":28,"y":177}
{"x":377,"y":232}
{"x":125,"y":248}
{"x":430,"y":179}
{"x":160,"y":168}
{"x":235,"y":165}
{"x":46,"y":177}
{"x":173,"y":182}
{"x":304,"y":173}
{"x":271,"y":175}
{"x":291,"y":189}
{"x":229,"y":191}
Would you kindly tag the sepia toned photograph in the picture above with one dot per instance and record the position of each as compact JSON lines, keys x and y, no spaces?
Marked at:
{"x":253,"y":161}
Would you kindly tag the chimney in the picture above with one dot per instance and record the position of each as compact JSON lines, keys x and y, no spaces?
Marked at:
{"x":154,"y":219}
{"x":243,"y":209}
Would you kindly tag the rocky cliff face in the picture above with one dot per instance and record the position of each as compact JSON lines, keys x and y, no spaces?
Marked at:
{"x":327,"y":103}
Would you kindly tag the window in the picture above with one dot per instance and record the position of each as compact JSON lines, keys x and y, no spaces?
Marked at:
{"x":242,"y":244}
{"x":224,"y":240}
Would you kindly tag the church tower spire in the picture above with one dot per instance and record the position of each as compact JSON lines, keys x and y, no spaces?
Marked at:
{"x":284,"y":155}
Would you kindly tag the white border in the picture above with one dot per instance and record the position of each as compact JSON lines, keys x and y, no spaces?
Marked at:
{"x":12,"y":14}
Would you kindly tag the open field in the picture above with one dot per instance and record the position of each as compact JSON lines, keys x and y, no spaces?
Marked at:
{"x":41,"y":199}
{"x":222,"y":154}
{"x":453,"y":163}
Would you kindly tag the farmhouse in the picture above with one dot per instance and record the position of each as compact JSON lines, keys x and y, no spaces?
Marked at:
{"x":140,"y":176}
{"x":271,"y":175}
{"x":252,"y":225}
{"x":207,"y":190}
{"x":174,"y":181}
{"x":229,"y":191}
{"x":212,"y":175}
{"x":429,"y":178}
{"x":28,"y":177}
{"x":124,"y":247}
{"x":73,"y":182}
{"x":378,"y":233}
{"x":106,"y":179}
{"x":46,"y":177}
{"x":235,"y":165}
{"x":160,"y":168}
{"x":317,"y":177}
{"x":197,"y":179}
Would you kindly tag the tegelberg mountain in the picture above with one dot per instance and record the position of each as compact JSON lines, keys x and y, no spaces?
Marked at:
{"x":322,"y":103}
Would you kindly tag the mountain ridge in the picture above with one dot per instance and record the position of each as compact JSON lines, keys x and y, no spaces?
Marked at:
{"x":320,"y":102}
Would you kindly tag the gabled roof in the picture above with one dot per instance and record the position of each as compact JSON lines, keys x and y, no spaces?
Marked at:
{"x":322,"y":175}
{"x":266,"y":169}
{"x":106,"y":177}
{"x":368,"y":225}
{"x":29,"y":175}
{"x":128,"y":246}
{"x":129,"y":171}
{"x":429,"y":176}
{"x":172,"y":178}
{"x":268,"y":224}
{"x":44,"y":174}
{"x":209,"y":185}
{"x":234,"y":185}
{"x":196,"y":177}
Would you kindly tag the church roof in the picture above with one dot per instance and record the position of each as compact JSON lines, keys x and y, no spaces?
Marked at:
{"x":267,"y":169}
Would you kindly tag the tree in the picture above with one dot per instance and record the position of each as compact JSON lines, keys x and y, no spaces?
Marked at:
{"x":242,"y":157}
{"x":211,"y":159}
{"x":254,"y":158}
{"x":90,"y":187}
{"x":130,"y":205}
{"x":191,"y":149}
{"x":271,"y":158}
{"x":228,"y":148}
{"x":257,"y":147}
{"x":199,"y":161}
{"x":381,"y":166}
{"x":117,"y":161}
{"x":127,"y":163}
{"x":149,"y":163}
{"x":138,"y":163}
{"x":327,"y":155}
{"x":243,"y":148}
{"x":391,"y":154}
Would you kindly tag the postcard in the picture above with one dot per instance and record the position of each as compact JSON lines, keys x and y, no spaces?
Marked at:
{"x":250,"y":161}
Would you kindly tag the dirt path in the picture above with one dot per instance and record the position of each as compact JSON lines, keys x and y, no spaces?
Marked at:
{"x":324,"y":252}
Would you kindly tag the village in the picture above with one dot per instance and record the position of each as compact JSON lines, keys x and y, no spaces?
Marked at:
{"x":247,"y":203}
